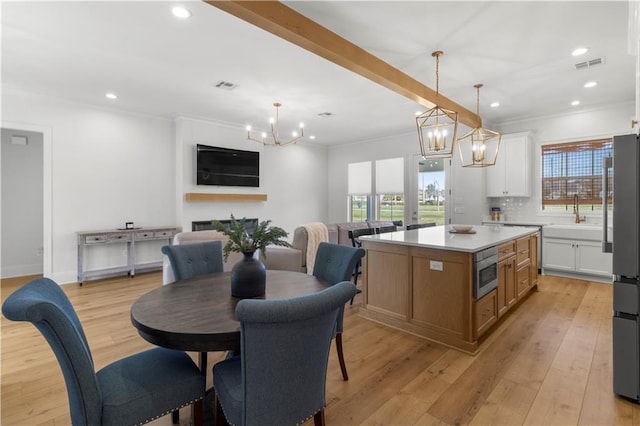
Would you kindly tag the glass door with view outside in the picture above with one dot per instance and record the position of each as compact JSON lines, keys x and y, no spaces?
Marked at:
{"x":430,"y":200}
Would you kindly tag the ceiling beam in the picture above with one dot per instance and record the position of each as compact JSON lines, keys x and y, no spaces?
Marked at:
{"x":290,"y":25}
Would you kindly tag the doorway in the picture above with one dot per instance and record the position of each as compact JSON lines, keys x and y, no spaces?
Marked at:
{"x":22,"y":250}
{"x":429,"y":199}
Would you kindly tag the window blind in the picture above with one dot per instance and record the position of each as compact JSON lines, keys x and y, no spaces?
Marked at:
{"x":359,"y":178}
{"x":574,"y":168}
{"x":390,"y":176}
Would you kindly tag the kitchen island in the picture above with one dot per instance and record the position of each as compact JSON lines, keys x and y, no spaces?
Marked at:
{"x":422,"y":281}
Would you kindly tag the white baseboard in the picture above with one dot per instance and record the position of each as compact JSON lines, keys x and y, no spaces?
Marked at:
{"x":21,"y":270}
{"x":596,"y":278}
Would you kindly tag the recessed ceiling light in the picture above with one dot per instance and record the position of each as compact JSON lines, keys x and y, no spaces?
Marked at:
{"x":575,"y":103}
{"x":312,"y":137}
{"x":111,"y":96}
{"x":579,"y":51}
{"x":418,"y":113}
{"x":590,"y":84}
{"x":494,"y":104}
{"x":180,"y":12}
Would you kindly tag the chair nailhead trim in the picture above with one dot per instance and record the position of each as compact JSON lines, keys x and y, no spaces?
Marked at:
{"x":297,"y":423}
{"x":316,"y":412}
{"x":167,"y":412}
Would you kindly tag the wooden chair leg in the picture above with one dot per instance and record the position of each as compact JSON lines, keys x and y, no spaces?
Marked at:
{"x":318,"y":418}
{"x":217,"y":408}
{"x":175,"y":417}
{"x":197,"y":413}
{"x":343,"y":366}
{"x":355,"y":279}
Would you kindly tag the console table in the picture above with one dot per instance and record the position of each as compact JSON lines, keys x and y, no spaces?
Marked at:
{"x":129,"y":237}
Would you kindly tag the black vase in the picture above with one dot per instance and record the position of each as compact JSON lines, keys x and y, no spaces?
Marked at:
{"x":248,"y":277}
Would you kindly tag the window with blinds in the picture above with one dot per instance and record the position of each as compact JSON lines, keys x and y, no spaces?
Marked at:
{"x":571,"y":169}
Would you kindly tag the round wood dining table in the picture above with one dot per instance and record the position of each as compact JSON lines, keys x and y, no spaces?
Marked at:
{"x":198,"y":314}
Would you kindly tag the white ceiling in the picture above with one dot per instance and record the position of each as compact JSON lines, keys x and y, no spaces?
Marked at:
{"x":159,"y":65}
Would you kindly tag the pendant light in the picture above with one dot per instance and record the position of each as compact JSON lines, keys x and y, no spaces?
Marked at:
{"x":479,"y":147}
{"x":274,"y":138}
{"x":437,"y":127}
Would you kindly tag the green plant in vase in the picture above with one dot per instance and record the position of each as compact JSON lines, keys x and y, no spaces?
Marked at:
{"x":241,"y":242}
{"x":248,"y":276}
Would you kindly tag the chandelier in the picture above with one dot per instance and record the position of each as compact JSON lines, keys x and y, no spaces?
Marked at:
{"x":274,"y":138}
{"x":437,"y":127}
{"x":479,"y":147}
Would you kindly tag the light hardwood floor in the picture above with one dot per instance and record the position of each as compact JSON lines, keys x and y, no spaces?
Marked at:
{"x":548,"y":362}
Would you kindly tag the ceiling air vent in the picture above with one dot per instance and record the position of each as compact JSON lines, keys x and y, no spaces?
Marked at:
{"x":589,"y":64}
{"x":325,"y":114}
{"x":226,"y":85}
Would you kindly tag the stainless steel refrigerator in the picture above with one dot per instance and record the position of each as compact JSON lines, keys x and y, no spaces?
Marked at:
{"x":626,"y":263}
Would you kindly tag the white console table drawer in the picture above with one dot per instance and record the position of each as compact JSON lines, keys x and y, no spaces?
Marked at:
{"x":119,"y":237}
{"x":147,"y":235}
{"x":95,"y":239}
{"x":165,"y":233}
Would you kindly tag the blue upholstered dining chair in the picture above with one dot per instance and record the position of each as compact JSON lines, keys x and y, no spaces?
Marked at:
{"x":133,"y":390}
{"x":190,"y":260}
{"x":336,"y":263}
{"x":280,"y":376}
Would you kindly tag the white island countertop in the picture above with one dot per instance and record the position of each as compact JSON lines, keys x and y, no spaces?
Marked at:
{"x":439,"y":237}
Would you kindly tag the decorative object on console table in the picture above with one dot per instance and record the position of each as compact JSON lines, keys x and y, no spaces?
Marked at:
{"x":248,"y":277}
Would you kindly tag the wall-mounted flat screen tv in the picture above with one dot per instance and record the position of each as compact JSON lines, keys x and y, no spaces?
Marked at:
{"x":227,"y":167}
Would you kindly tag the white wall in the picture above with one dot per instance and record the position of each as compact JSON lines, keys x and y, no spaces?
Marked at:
{"x":577,"y":126}
{"x":22,"y":205}
{"x":107,"y":167}
{"x":294,"y":177}
{"x":468,"y":202}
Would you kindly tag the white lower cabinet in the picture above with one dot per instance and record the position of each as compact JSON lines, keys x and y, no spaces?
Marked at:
{"x":581,"y":256}
{"x":591,"y":260}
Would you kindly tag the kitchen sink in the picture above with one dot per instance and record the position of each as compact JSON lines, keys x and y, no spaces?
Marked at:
{"x":575,"y":231}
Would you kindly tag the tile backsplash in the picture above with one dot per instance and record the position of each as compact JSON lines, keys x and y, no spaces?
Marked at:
{"x":512,"y":208}
{"x":523,"y":208}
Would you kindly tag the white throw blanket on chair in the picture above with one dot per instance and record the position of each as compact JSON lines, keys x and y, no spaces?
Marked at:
{"x":316,"y":233}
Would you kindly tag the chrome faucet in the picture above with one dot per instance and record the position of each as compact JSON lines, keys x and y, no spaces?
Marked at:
{"x":576,"y":210}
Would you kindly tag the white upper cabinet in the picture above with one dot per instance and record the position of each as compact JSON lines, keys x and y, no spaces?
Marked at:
{"x":511,"y":175}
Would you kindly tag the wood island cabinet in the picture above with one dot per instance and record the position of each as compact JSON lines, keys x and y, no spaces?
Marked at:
{"x":429,"y":292}
{"x":523,"y":266}
{"x":523,"y":280}
{"x":506,"y":295}
{"x":533,"y":251}
{"x":486,"y":312}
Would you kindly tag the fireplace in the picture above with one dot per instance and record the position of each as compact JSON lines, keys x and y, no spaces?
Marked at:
{"x":204,"y":225}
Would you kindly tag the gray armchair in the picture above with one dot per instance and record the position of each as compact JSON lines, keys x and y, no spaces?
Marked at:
{"x":280,"y":376}
{"x":133,"y":390}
